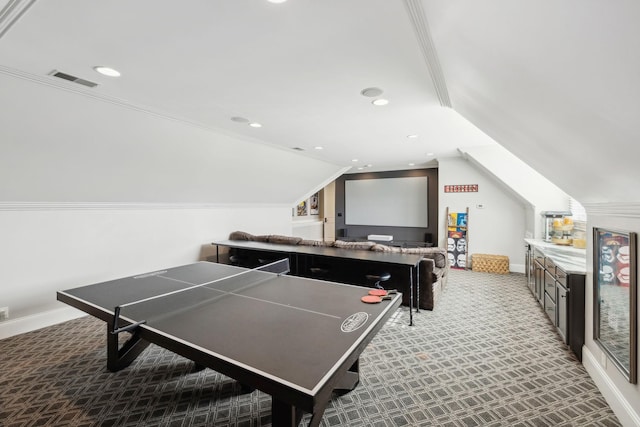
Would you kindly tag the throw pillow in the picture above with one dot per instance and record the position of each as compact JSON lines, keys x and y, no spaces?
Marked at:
{"x":241,"y":235}
{"x":315,"y":243}
{"x":284,"y":240}
{"x":354,"y":245}
{"x":384,"y":248}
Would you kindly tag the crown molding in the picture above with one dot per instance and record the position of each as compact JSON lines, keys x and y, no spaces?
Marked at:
{"x":125,"y":206}
{"x":12,"y":12}
{"x":616,"y":209}
{"x":423,"y":34}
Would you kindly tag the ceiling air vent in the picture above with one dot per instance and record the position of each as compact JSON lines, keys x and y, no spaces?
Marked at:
{"x":69,"y":77}
{"x":297,"y":148}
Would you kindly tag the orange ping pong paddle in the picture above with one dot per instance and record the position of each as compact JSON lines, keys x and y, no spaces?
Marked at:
{"x":382,"y":292}
{"x":374,"y":299}
{"x":371,"y":299}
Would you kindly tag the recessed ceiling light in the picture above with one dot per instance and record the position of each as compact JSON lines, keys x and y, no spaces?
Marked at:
{"x":107,"y":71}
{"x":371,"y":92}
{"x":255,"y":125}
{"x":412,"y":136}
{"x":276,"y":1}
{"x":430,"y":154}
{"x":368,"y":166}
{"x":380,"y":102}
{"x":318,"y":148}
{"x":412,"y":164}
{"x":360,"y":168}
{"x":354,"y":160}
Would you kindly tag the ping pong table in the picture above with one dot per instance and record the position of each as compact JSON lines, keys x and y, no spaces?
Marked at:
{"x":294,"y":338}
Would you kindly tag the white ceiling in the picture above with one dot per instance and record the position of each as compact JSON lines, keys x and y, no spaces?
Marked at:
{"x":556,"y":83}
{"x":297,"y":68}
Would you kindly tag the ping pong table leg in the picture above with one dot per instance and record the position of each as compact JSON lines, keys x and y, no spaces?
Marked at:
{"x":349,"y":380}
{"x":198,"y":367}
{"x":284,"y":414}
{"x":417,"y":279}
{"x":315,"y":419}
{"x":120,"y":357}
{"x":410,"y":296}
{"x":246,"y":389}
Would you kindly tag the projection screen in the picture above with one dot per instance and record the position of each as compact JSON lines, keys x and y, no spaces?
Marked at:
{"x":393,"y":202}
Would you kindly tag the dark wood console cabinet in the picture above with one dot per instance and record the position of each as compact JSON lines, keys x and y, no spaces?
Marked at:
{"x":560,"y":293}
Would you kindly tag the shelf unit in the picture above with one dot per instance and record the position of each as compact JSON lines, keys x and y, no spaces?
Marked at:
{"x":457,"y":232}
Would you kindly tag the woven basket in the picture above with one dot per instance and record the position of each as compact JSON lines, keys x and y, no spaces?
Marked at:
{"x":490,"y":263}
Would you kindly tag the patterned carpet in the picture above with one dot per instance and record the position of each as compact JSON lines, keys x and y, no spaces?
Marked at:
{"x":486,"y":356}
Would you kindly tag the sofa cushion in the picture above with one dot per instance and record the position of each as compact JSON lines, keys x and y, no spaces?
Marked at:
{"x":438,"y":255}
{"x":241,"y":235}
{"x":354,"y":245}
{"x":286,"y":240}
{"x":384,"y":248}
{"x":315,"y":243}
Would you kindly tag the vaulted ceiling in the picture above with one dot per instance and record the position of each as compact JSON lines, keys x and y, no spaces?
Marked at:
{"x":556,"y":83}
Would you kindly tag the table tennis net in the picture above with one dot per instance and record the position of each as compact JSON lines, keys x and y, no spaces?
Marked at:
{"x":191,"y":297}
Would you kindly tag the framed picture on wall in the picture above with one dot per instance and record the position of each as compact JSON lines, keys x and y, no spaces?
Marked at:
{"x":314,"y":205}
{"x":615,"y":298}
{"x":302,"y":208}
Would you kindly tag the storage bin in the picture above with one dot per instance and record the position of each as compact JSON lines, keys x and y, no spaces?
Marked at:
{"x":490,"y":263}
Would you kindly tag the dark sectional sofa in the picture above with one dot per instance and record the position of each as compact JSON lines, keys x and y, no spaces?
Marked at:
{"x":433,"y":269}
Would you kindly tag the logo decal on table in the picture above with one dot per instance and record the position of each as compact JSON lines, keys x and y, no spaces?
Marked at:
{"x":355,"y":321}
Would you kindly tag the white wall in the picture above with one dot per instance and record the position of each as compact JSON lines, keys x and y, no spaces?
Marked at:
{"x":310,"y":229}
{"x":525,"y":183}
{"x":52,"y":248}
{"x":499,"y":227}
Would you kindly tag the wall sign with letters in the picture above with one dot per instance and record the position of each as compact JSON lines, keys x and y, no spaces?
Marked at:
{"x":465,"y":188}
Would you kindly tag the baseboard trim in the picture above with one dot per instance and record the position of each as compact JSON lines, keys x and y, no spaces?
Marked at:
{"x":614,"y":397}
{"x":30,"y":323}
